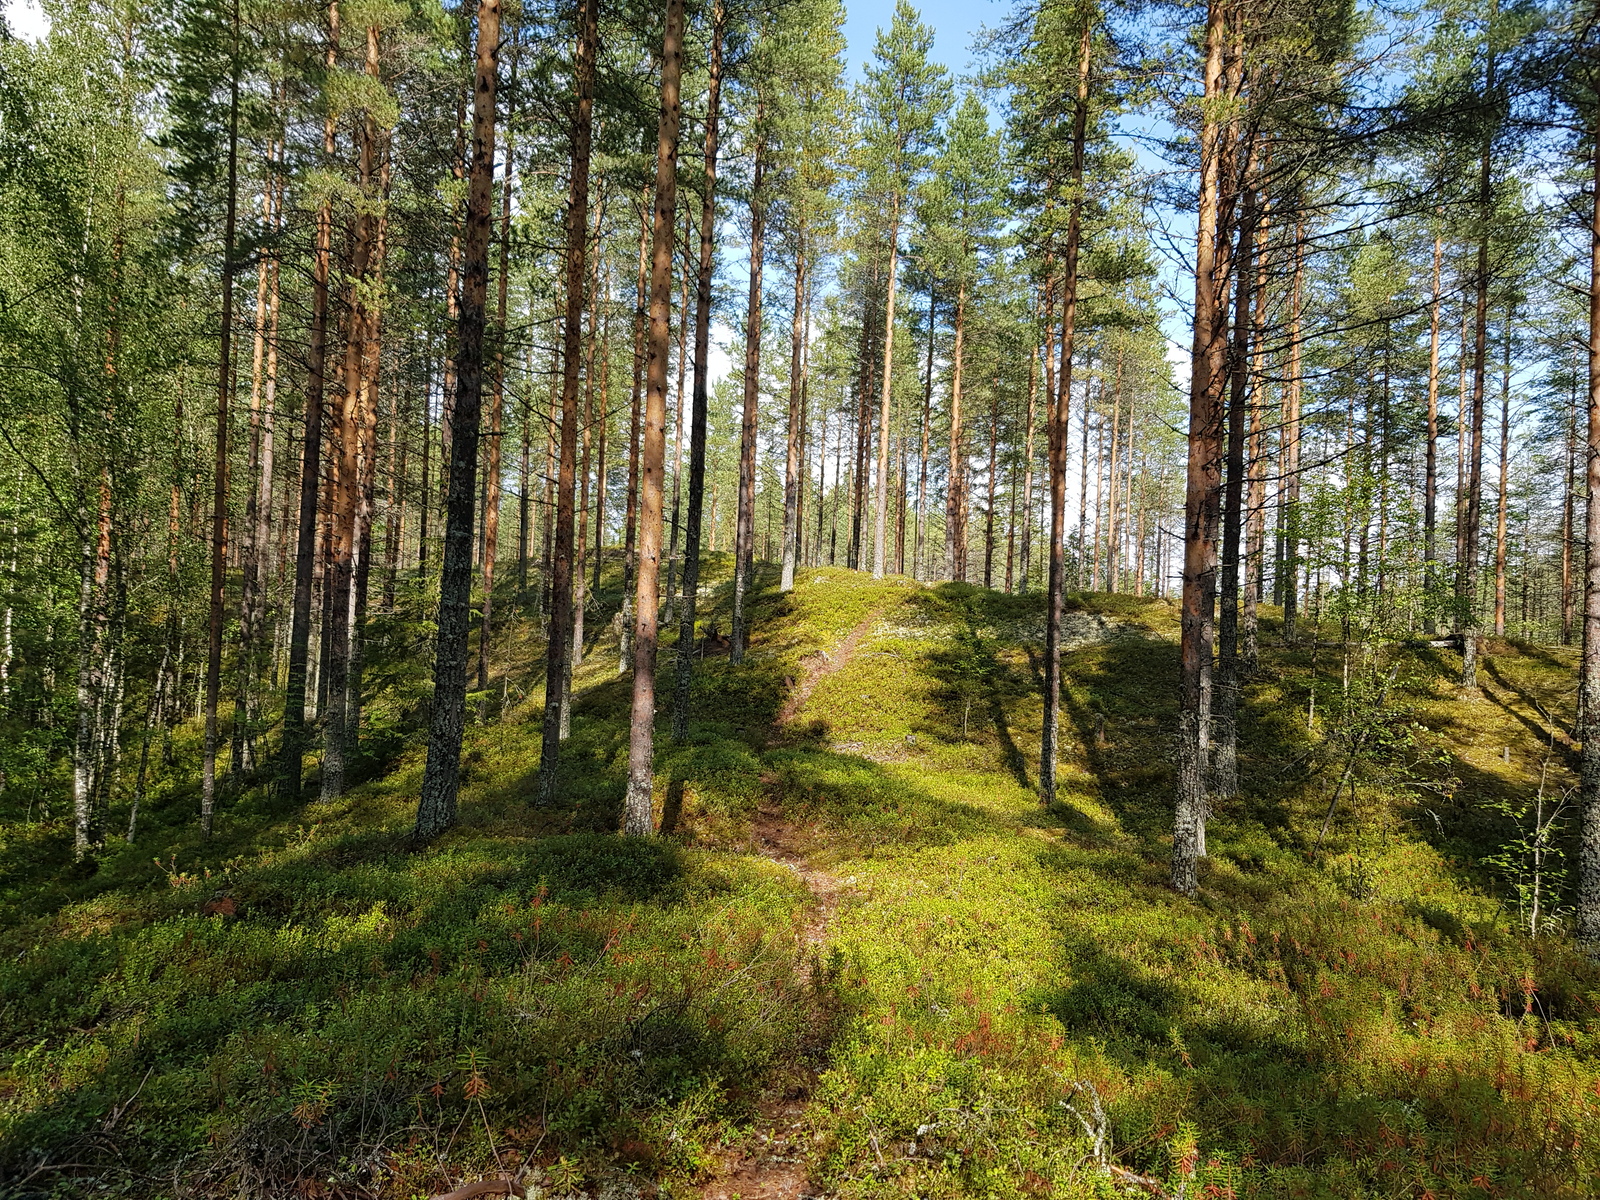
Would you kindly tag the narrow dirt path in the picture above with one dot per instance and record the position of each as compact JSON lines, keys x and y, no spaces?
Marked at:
{"x":776,"y":838}
{"x":771,"y":1162}
{"x":817,"y":667}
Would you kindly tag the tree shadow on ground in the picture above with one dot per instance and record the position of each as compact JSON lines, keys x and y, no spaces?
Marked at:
{"x":970,"y":669}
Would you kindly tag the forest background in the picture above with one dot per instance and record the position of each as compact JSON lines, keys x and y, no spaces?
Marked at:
{"x":379,"y":377}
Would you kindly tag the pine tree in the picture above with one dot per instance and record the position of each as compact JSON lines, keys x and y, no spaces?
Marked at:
{"x":903,"y":98}
{"x":436,"y":807}
{"x":638,"y":815}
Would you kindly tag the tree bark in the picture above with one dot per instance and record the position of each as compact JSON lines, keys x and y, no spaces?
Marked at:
{"x":858,"y":480}
{"x":491,"y":507}
{"x":1058,"y":418}
{"x":683,"y":660}
{"x":1047,"y":360}
{"x":885,"y":403}
{"x":604,"y":423}
{"x":805,"y":416}
{"x":1103,"y":438}
{"x":93,"y":677}
{"x":1011,"y":522}
{"x":1084,"y":552}
{"x":1112,"y":475}
{"x":638,"y":815}
{"x":552,"y":457}
{"x":1025,"y":501}
{"x":560,"y":630}
{"x":580,"y":597}
{"x":1588,"y":730}
{"x":425,"y":496}
{"x":745,"y":527}
{"x":441,"y":780}
{"x":252,"y":552}
{"x":1291,"y":445}
{"x":306,"y":558}
{"x":630,"y":510}
{"x":920,"y":528}
{"x":360,"y":344}
{"x":219,"y":495}
{"x":370,"y":392}
{"x":398,"y":498}
{"x":822,"y":492}
{"x":1467,"y":566}
{"x":1207,"y":380}
{"x":955,"y":504}
{"x":794,"y":436}
{"x":1502,"y":500}
{"x":524,"y":475}
{"x":452,"y":309}
{"x":1225,"y":712}
{"x":988,"y":508}
{"x":1252,"y":565}
{"x":1568,"y":517}
{"x":1430,"y":482}
{"x":675,"y":524}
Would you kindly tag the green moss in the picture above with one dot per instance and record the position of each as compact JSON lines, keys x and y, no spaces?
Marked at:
{"x":1363,"y":1021}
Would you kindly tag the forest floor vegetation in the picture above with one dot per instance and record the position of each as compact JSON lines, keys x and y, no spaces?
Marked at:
{"x":860,"y":960}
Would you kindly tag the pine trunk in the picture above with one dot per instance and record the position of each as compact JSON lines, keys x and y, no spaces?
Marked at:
{"x":1588,"y":730}
{"x":920,"y":530}
{"x":1251,"y":567}
{"x":219,"y":494}
{"x":1503,"y":499}
{"x":674,"y":525}
{"x":1058,"y":418}
{"x":1084,"y":552}
{"x":1290,"y":452}
{"x":1472,"y":517}
{"x":955,"y":504}
{"x":994,"y":463}
{"x":630,"y":504}
{"x":1430,"y":483}
{"x":885,"y":396}
{"x":394,"y":529}
{"x":560,"y":575}
{"x":360,"y":343}
{"x":793,"y":438}
{"x":497,"y":407}
{"x":1207,"y":380}
{"x":683,"y":660}
{"x":858,"y":480}
{"x":1225,"y":712}
{"x":638,"y":814}
{"x":424,"y":496}
{"x":441,"y":780}
{"x":1568,"y":517}
{"x":252,"y":551}
{"x":603,"y":422}
{"x":745,"y":527}
{"x":524,"y":479}
{"x":580,"y":545}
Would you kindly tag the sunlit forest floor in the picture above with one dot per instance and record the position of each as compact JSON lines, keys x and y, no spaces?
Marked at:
{"x":860,"y":962}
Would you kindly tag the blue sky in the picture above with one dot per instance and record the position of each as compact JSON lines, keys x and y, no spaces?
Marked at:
{"x":25,"y":19}
{"x":954,"y":23}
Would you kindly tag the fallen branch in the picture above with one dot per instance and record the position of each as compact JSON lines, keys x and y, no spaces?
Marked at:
{"x":43,"y":1167}
{"x":487,"y":1187}
{"x":1095,"y":1126}
{"x":1153,"y":1186}
{"x":1098,"y":1129}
